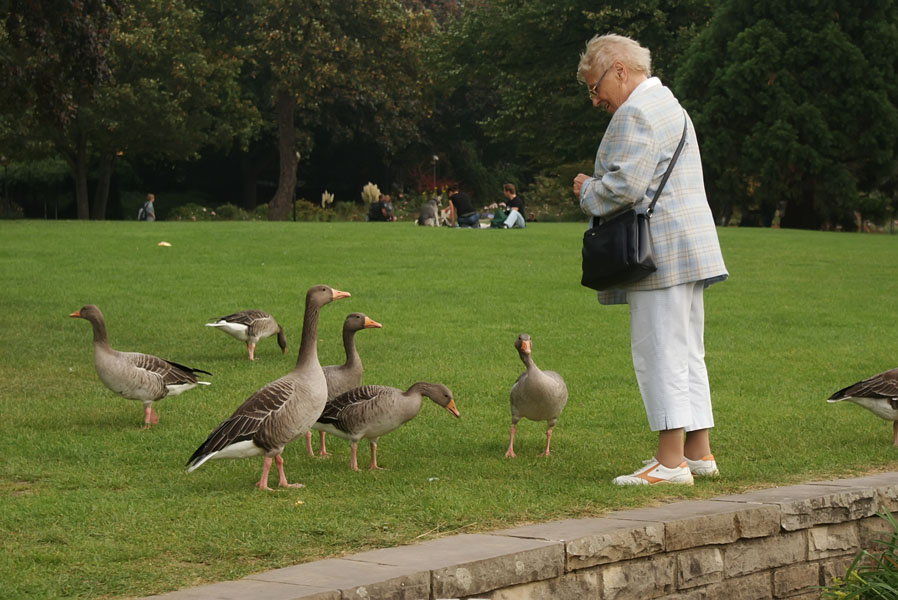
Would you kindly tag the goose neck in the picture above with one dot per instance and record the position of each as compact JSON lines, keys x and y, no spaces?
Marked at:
{"x":308,"y":345}
{"x":352,"y":355}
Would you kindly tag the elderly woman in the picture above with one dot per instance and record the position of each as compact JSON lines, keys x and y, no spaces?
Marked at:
{"x":666,"y":308}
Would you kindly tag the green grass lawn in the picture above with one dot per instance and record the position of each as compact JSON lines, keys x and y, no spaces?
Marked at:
{"x":92,"y":506}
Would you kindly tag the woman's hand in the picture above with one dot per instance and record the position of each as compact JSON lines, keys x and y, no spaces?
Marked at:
{"x":578,"y":182}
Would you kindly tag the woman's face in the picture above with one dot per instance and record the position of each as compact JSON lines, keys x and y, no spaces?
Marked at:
{"x":607,"y":92}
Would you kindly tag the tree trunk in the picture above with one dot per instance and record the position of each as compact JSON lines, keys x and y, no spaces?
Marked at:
{"x":101,"y":196}
{"x":280,"y":204}
{"x":248,"y":179}
{"x":77,"y":158}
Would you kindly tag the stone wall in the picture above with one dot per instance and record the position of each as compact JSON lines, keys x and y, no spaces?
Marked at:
{"x":775,"y":543}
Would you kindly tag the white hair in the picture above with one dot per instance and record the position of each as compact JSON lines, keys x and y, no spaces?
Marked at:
{"x":603,"y":50}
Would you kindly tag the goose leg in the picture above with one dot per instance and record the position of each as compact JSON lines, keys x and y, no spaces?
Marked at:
{"x":322,"y":451}
{"x":373,"y":465}
{"x":510,"y":452}
{"x":548,"y":441}
{"x":282,"y":477}
{"x":149,"y":416}
{"x":262,"y":484}
{"x":895,"y":434}
{"x":353,"y":462}
{"x":309,"y":450}
{"x":252,"y":348}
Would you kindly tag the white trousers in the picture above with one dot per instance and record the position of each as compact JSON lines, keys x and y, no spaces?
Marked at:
{"x":515,"y":219}
{"x":667,"y":343}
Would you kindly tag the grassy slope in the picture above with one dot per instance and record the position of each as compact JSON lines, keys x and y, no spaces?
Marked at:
{"x":92,"y":506}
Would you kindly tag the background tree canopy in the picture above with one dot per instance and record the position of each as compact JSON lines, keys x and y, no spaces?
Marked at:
{"x":227,"y":101}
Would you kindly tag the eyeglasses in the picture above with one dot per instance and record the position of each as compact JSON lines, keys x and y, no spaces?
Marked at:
{"x":594,"y":90}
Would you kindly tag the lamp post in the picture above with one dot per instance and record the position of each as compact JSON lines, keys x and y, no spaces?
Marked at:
{"x":436,"y":159}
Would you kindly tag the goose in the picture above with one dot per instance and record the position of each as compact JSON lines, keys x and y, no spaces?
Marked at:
{"x":537,"y":395}
{"x":371,"y":411}
{"x":250,"y":326}
{"x":134,"y":375}
{"x":342,"y":378}
{"x":878,"y":394}
{"x":279,"y":412}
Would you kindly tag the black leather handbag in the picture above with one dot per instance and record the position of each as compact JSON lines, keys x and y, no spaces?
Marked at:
{"x":618,"y":251}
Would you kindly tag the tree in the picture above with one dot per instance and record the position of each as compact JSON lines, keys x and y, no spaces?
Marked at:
{"x":171,"y":96}
{"x":523,"y":55}
{"x":795,"y":102}
{"x":347,"y":67}
{"x":55,"y":60}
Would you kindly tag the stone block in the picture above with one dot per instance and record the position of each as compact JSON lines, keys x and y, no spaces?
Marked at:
{"x":640,"y":579}
{"x":826,"y":541}
{"x":699,"y":567}
{"x":885,"y":485}
{"x":355,"y":579}
{"x":703,"y":522}
{"x":874,"y":530}
{"x":804,"y":506}
{"x":752,"y":587}
{"x":789,"y":580}
{"x":469,"y":564}
{"x":582,"y":585}
{"x":590,"y":542}
{"x":246,"y":588}
{"x":834,"y":568}
{"x":749,"y":556}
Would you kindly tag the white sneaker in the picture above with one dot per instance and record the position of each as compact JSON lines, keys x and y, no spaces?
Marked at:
{"x":703,"y":467}
{"x":656,"y":473}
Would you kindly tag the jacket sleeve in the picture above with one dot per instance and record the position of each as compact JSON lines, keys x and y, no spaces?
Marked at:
{"x":625,"y":164}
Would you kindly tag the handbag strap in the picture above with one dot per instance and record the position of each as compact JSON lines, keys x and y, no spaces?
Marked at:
{"x":673,"y":161}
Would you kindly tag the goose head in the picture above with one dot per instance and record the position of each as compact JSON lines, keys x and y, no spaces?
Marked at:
{"x":442,"y":395}
{"x":523,"y":345}
{"x":89,"y":312}
{"x":358,"y":321}
{"x":319,"y":295}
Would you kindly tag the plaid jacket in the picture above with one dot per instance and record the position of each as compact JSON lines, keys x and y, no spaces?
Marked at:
{"x":631,"y":160}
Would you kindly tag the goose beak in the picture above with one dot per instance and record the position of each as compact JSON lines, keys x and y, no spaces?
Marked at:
{"x":75,"y":314}
{"x":451,"y":408}
{"x":338,"y":295}
{"x":369,"y":324}
{"x":525,"y":346}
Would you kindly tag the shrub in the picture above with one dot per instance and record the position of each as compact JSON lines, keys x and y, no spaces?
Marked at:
{"x":549,"y":197}
{"x":190,"y":212}
{"x":871,"y":574}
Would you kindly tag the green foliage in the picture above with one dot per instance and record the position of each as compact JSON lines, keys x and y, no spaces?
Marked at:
{"x":795,"y":102}
{"x":872,"y":574}
{"x":540,"y":115}
{"x":550,"y":198}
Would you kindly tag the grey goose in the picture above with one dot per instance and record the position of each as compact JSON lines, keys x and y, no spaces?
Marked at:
{"x":878,"y":394}
{"x":342,"y":378}
{"x":135,"y":375}
{"x":279,"y":412}
{"x":370,"y":411}
{"x":536,"y":395}
{"x":250,"y":326}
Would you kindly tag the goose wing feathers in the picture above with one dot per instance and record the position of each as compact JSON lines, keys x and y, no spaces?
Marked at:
{"x":884,"y":385}
{"x":336,"y":410}
{"x":172,"y":373}
{"x":248,"y":420}
{"x":246,"y":317}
